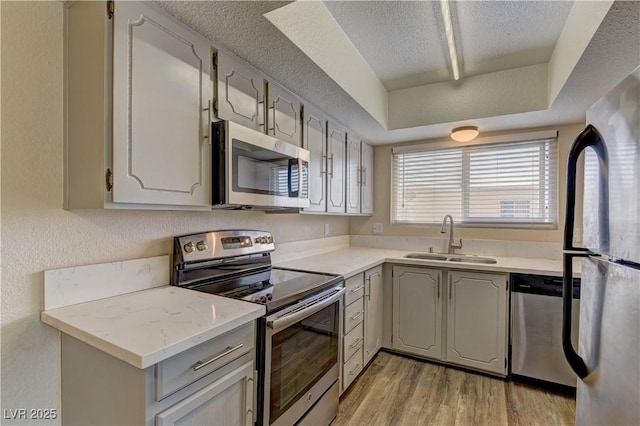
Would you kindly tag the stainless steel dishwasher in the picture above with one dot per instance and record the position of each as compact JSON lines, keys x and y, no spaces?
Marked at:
{"x":536,"y":329}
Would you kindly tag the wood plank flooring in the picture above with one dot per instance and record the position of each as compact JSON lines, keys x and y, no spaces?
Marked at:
{"x":396,"y":390}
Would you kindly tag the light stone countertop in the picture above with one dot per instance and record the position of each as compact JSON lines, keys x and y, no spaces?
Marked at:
{"x":149,"y":326}
{"x":353,"y":260}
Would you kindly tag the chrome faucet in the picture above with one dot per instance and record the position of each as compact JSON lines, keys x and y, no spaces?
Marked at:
{"x":451,"y":246}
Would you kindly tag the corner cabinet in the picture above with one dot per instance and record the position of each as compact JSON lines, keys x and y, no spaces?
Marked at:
{"x":366,"y":180}
{"x":462,"y":322}
{"x":138,"y":94}
{"x":213,"y":383}
{"x":353,"y":174}
{"x":359,"y":176}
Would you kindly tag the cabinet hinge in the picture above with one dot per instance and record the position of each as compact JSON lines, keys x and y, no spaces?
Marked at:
{"x":507,"y":285}
{"x":108,"y":180}
{"x":505,"y":363}
{"x":214,"y":60}
{"x":110,"y":8}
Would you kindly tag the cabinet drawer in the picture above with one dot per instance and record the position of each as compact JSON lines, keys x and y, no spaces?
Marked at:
{"x":353,"y":314}
{"x":354,"y":289}
{"x":351,"y":369}
{"x":353,"y":341}
{"x":185,"y":368}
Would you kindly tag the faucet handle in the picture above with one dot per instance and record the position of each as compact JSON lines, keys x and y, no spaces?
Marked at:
{"x":457,"y":245}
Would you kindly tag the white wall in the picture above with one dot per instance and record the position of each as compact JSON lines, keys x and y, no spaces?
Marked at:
{"x":382,"y":199}
{"x":37,"y":234}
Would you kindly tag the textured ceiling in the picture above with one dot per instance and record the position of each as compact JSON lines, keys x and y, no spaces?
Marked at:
{"x":396,"y":38}
{"x":403,"y":40}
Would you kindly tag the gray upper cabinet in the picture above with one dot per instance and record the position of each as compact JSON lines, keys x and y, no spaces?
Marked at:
{"x":314,"y":140}
{"x":366,"y":179}
{"x":353,"y":174}
{"x":137,"y":94}
{"x":240,"y":93}
{"x":283,"y":114}
{"x":336,"y":170}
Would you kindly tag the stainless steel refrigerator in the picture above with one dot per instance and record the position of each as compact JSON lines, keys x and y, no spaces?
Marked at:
{"x":607,"y":359}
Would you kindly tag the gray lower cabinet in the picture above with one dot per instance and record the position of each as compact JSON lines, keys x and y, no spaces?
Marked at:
{"x":353,"y":331}
{"x":373,"y":312}
{"x":362,"y":323}
{"x":477,"y":321}
{"x":417,"y":311}
{"x":211,"y":383}
{"x":461,"y":322}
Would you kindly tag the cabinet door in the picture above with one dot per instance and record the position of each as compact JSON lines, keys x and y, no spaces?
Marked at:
{"x":228,"y":401}
{"x":239,"y":93}
{"x":336,"y":147}
{"x":283,"y":112}
{"x":372,"y":312}
{"x":476,"y":320}
{"x":161,"y":94}
{"x":366,"y":181}
{"x":417,"y":311}
{"x":353,"y":174}
{"x":315,"y":141}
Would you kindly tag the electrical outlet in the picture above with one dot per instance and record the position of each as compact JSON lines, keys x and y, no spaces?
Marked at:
{"x":326,"y":229}
{"x":377,"y":228}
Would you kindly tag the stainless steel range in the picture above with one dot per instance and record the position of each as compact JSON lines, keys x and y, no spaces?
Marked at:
{"x":297,"y":340}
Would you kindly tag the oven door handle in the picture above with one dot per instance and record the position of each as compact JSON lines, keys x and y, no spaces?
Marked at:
{"x":278,"y":323}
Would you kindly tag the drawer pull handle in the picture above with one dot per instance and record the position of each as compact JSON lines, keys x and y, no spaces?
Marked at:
{"x":351,"y":372}
{"x":200,"y":364}
{"x":357,"y":289}
{"x":356,"y":316}
{"x":356,"y":343}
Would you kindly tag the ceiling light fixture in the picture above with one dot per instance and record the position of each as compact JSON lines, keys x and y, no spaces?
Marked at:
{"x":464,"y":133}
{"x":448,"y":29}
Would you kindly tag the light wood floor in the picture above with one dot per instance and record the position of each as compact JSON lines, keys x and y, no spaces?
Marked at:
{"x":396,"y":390}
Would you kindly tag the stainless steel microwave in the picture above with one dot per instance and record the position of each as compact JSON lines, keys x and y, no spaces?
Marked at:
{"x":252,"y":170}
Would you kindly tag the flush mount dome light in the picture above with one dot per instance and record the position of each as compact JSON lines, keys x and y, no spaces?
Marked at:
{"x":464,"y":134}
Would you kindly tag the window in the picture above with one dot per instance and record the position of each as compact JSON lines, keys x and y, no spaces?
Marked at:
{"x":508,"y":183}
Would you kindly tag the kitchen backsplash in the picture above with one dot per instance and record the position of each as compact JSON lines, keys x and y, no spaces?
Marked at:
{"x":480,"y":247}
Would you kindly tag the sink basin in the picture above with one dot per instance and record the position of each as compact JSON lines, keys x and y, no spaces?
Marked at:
{"x":426,"y":256}
{"x":473,"y":259}
{"x":452,"y":258}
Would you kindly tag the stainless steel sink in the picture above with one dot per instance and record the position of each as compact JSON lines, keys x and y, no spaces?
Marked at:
{"x":473,"y":259}
{"x":452,"y":258}
{"x":426,"y":256}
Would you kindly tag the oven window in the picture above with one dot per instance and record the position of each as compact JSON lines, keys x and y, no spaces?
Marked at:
{"x":301,"y":354}
{"x":258,"y":170}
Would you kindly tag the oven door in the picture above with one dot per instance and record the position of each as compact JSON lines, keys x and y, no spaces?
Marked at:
{"x":262,"y":170}
{"x":301,"y":357}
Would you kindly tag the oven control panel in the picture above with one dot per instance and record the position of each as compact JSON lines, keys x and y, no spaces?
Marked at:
{"x":220,"y":244}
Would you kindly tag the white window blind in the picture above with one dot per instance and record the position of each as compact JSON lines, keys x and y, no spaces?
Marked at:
{"x":508,"y":183}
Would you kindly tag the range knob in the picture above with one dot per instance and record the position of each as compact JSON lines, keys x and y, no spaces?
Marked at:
{"x":259,"y":240}
{"x":269,"y":296}
{"x":189,"y":247}
{"x":201,"y":245}
{"x":263,"y":299}
{"x":270,"y":239}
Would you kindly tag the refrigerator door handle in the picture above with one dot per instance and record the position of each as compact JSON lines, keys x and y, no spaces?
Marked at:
{"x":589,"y":137}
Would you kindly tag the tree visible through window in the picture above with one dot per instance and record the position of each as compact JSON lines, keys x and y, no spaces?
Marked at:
{"x":510,"y":183}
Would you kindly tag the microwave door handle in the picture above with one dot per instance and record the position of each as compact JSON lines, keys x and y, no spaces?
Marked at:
{"x":589,"y":137}
{"x":299,"y":177}
{"x":292,"y":193}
